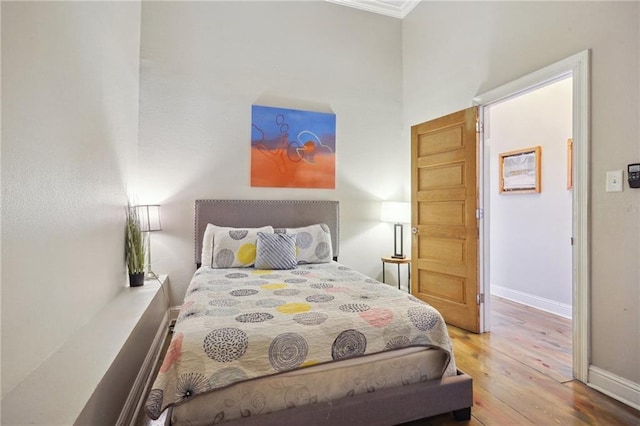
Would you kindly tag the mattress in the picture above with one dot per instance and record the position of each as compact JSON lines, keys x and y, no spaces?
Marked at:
{"x":249,"y":342}
{"x":326,"y":382}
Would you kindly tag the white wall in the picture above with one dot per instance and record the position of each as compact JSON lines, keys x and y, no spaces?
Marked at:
{"x":455,"y":51}
{"x":530,"y":255}
{"x":202,"y":67}
{"x":70,"y":122}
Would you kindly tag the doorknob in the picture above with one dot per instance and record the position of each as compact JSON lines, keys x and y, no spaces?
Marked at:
{"x":414,"y":230}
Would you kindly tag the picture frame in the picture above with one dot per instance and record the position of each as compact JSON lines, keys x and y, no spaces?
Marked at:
{"x":520,"y":171}
{"x":292,"y":148}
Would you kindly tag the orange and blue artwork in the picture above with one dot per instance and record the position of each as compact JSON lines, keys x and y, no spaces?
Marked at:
{"x":292,"y":148}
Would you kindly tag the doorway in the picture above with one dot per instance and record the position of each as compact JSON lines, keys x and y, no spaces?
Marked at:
{"x":450,"y":184}
{"x":530,"y":231}
{"x":575,"y":67}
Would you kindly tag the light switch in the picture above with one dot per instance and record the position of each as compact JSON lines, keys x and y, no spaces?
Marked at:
{"x":614,"y":181}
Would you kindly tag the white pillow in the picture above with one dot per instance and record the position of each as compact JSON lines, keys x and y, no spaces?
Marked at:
{"x":206,"y":258}
{"x":235,"y":248}
{"x":313,"y":243}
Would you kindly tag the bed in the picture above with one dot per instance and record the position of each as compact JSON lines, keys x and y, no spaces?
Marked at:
{"x":304,"y":340}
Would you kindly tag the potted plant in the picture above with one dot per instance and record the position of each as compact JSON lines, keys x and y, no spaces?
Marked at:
{"x":134,"y":249}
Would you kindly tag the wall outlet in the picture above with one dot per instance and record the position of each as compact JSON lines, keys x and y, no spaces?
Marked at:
{"x":614,"y":181}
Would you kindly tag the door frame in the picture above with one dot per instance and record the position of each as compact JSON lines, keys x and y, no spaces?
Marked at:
{"x":576,"y":66}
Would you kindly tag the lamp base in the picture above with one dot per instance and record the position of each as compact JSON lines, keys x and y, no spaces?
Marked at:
{"x":397,"y":238}
{"x":150,"y":275}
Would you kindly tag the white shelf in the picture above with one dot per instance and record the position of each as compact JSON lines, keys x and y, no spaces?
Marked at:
{"x":60,"y":388}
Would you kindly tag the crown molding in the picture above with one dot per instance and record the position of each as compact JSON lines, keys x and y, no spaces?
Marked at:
{"x":394,"y":8}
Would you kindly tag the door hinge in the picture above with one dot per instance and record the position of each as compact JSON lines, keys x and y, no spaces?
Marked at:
{"x":479,"y":127}
{"x":571,"y":240}
{"x":479,"y":213}
{"x":480,"y":298}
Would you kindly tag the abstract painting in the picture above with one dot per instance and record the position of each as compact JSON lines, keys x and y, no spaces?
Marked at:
{"x":292,"y":148}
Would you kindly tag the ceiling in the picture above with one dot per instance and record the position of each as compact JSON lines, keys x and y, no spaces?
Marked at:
{"x":396,"y":8}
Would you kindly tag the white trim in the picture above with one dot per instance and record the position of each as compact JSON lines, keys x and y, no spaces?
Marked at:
{"x":577,"y":66}
{"x":615,"y":386}
{"x":394,"y":9}
{"x":581,"y":258}
{"x":547,"y":305}
{"x":134,"y":402}
{"x":483,"y":223}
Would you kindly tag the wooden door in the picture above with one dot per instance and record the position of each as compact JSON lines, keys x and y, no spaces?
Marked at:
{"x":444,"y":156}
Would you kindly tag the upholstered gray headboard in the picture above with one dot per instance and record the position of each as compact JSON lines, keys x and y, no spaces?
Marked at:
{"x":256,"y":213}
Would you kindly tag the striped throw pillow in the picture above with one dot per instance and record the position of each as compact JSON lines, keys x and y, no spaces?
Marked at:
{"x":276,"y":251}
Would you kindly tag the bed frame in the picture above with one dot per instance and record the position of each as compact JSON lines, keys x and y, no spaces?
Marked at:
{"x":384,"y":407}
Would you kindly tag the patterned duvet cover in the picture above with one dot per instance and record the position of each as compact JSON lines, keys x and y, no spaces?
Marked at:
{"x":240,"y":324}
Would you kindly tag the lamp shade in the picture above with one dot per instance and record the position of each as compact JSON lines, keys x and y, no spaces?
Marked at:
{"x":149,"y":216}
{"x":395,"y":211}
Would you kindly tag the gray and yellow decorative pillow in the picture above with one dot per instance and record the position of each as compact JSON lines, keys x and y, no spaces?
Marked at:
{"x":208,"y":241}
{"x":313,"y":243}
{"x":276,"y":251}
{"x":233,"y":248}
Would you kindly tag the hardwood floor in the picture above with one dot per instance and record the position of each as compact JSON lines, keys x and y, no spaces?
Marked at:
{"x":522,"y":374}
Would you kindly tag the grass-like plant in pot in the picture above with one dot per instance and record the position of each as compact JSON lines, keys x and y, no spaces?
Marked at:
{"x":135,"y":248}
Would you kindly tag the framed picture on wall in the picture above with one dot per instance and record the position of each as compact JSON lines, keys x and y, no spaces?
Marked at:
{"x":292,"y":148}
{"x":520,"y":171}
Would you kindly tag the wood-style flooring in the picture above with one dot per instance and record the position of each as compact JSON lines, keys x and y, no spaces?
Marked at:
{"x":522,"y":374}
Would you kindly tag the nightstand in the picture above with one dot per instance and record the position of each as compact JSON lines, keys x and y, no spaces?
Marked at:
{"x":393,"y":260}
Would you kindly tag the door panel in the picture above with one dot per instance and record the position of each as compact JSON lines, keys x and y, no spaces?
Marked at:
{"x":441,"y":250}
{"x":447,"y":139}
{"x":440,"y":177}
{"x":443,"y":286}
{"x":445,"y":193}
{"x":442,"y":213}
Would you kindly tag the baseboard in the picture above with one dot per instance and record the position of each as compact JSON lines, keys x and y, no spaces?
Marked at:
{"x":616,"y":387}
{"x":547,"y":305}
{"x":134,"y":402}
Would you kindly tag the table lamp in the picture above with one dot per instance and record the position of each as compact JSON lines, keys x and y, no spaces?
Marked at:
{"x":397,"y":212}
